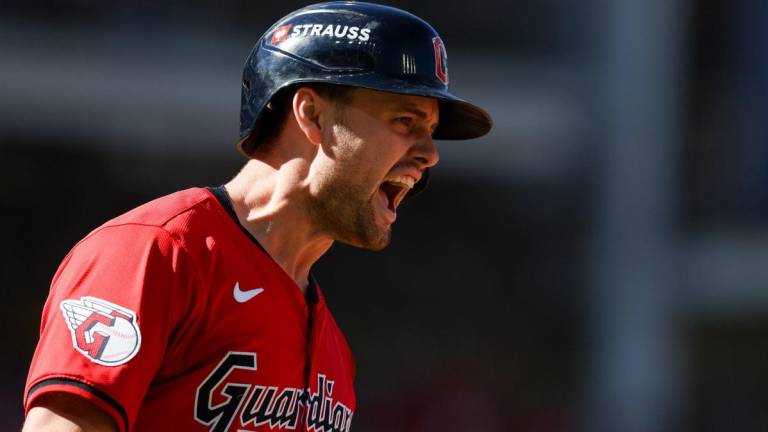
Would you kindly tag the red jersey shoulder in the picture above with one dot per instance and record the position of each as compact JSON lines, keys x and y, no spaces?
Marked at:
{"x":169,"y":211}
{"x":116,"y":301}
{"x":183,"y":217}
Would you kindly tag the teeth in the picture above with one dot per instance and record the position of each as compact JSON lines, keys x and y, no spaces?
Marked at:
{"x":405,"y":181}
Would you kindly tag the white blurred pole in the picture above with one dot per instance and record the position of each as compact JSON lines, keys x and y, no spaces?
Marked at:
{"x":634,"y":364}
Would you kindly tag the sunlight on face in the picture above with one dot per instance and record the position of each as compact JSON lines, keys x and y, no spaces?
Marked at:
{"x":376,"y":135}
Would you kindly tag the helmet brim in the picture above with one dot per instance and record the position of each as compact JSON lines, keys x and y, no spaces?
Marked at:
{"x":459,"y":119}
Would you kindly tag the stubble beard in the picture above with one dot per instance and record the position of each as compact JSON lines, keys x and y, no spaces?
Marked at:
{"x":345,"y":211}
{"x":342,"y":208}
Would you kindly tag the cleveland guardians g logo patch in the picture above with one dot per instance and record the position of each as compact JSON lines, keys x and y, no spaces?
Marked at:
{"x":103,"y":332}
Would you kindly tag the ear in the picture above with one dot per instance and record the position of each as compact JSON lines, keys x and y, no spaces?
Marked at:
{"x":309,"y":109}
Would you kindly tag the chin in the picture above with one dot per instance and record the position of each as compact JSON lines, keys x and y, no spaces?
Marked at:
{"x":369,"y":240}
{"x":352,"y":221}
{"x":377,"y":246}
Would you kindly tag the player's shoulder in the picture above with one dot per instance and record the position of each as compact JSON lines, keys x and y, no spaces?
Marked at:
{"x":159,"y":232}
{"x":176,"y":215}
{"x":169,"y":210}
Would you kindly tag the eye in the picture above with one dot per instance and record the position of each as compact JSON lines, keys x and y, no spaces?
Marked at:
{"x":405,"y":121}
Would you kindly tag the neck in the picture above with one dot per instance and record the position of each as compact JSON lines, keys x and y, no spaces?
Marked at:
{"x":268,"y":198}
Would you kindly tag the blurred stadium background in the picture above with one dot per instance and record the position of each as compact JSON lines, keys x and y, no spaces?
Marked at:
{"x":599,"y":262}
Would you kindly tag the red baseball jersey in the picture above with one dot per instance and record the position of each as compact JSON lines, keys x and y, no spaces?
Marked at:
{"x":172,"y":317}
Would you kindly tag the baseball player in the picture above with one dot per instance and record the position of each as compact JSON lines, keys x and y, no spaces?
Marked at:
{"x":198,"y":311}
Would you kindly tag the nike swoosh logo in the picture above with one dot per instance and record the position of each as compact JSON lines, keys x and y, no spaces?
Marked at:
{"x":243,"y":296}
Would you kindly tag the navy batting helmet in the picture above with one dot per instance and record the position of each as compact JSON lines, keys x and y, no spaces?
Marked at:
{"x":360,"y":45}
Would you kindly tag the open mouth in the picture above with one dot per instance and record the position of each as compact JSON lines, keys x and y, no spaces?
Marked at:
{"x":395,"y":189}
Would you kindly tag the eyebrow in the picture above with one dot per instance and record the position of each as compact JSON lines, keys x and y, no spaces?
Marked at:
{"x":412,"y":109}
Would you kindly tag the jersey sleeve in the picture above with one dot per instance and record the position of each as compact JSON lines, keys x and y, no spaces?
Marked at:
{"x":109,"y":318}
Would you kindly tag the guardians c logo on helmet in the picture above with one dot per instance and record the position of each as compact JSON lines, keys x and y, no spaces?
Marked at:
{"x":441,"y":60}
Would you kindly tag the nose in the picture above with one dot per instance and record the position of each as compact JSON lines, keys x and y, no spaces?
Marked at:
{"x":425,"y":152}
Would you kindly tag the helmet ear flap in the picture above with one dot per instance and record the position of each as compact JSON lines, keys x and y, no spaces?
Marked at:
{"x":247,"y":145}
{"x":268,"y":121}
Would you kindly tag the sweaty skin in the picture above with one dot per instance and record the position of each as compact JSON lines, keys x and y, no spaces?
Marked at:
{"x":319,"y":182}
